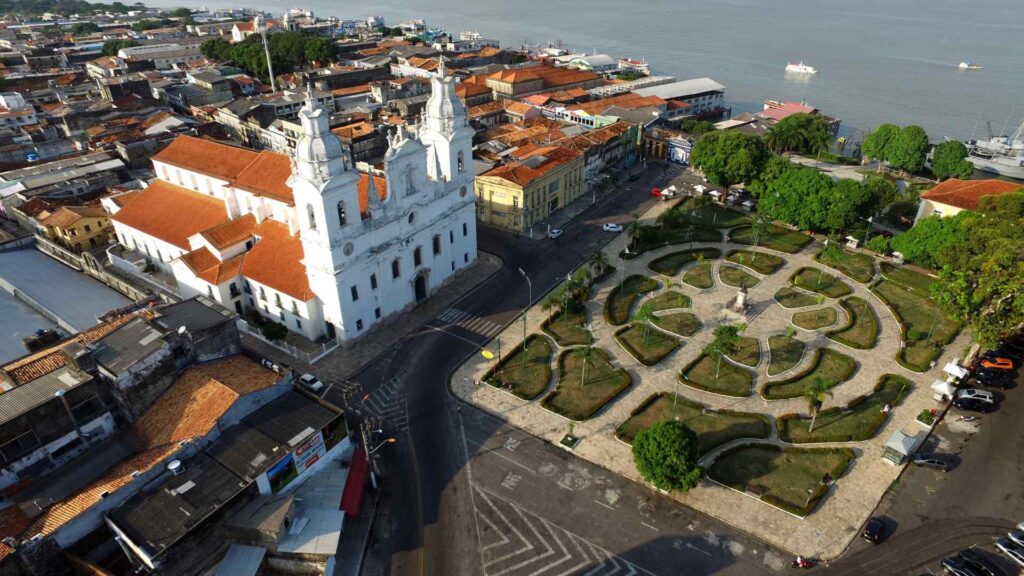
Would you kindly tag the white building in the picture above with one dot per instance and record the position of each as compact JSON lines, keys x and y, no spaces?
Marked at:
{"x":311,"y":242}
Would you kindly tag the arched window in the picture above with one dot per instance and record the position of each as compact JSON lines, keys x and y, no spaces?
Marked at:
{"x":462,"y":162}
{"x":417,"y":256}
{"x":341,"y":213}
{"x":311,"y":213}
{"x":437,"y":244}
{"x":396,"y":269}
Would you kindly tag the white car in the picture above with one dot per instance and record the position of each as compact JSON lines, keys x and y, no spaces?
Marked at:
{"x":311,"y":383}
{"x":1012,"y":551}
{"x":609,"y":227}
{"x":983,"y":395}
{"x":555,"y":233}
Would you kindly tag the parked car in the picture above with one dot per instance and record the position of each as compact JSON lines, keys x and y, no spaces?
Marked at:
{"x":932,"y":460}
{"x":975,"y":394}
{"x":995,"y":376}
{"x":555,"y":233}
{"x":873,"y":530}
{"x":955,"y":567}
{"x":974,"y":405}
{"x":655,"y":191}
{"x":997,"y":363}
{"x":1012,"y":551}
{"x":1016,"y":536}
{"x":974,"y":559}
{"x":311,"y":383}
{"x":610,"y":227}
{"x":991,"y":382}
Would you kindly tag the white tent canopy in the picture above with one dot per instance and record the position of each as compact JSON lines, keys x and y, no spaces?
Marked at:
{"x":955,"y":370}
{"x":944,"y":388}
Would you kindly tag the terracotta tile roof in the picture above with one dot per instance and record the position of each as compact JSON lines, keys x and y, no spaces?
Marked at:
{"x":363,"y":187}
{"x":550,"y":76}
{"x":359,"y":89}
{"x":488,"y":51}
{"x":231,"y":232}
{"x":356,"y":130}
{"x":627,"y":101}
{"x":208,"y":268}
{"x":199,"y":398}
{"x":245,"y":26}
{"x":206,"y":157}
{"x":33,"y":207}
{"x":520,"y":108}
{"x":464,"y":90}
{"x":153,"y":210}
{"x":124,"y":198}
{"x":154,"y":120}
{"x":276,"y":261}
{"x":12,"y":523}
{"x":428,"y":64}
{"x":522,"y":175}
{"x":486,"y":109}
{"x":965,"y":194}
{"x":267,"y":175}
{"x":67,"y":215}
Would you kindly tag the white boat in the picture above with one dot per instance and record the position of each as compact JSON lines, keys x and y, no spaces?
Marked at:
{"x":800,"y":68}
{"x":1000,"y":155}
{"x":969,"y":66}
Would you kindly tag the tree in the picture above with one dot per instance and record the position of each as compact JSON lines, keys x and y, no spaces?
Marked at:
{"x":216,"y":49}
{"x":907,"y":151}
{"x":320,"y":50}
{"x":288,"y":51}
{"x":695,"y":127}
{"x":815,"y":394}
{"x":725,"y":343}
{"x":803,"y":133}
{"x":881,"y":191}
{"x":84,"y":28}
{"x":949,"y":159}
{"x":598,"y":262}
{"x":876,"y":144}
{"x":666,"y":456}
{"x":930,"y":237}
{"x":112,"y":47}
{"x":729,"y":157}
{"x":879,"y":244}
{"x":643,"y":317}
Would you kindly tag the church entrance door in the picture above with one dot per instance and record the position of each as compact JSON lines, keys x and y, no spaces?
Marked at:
{"x":421,"y":288}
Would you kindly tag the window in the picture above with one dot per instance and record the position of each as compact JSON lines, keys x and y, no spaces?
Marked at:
{"x":88,"y":409}
{"x":453,"y":265}
{"x":465,"y":229}
{"x":373,"y":281}
{"x":451,"y":237}
{"x":277,"y":300}
{"x":341,"y":213}
{"x":437,"y":245}
{"x":295,"y":307}
{"x":87,"y":228}
{"x":465,"y":257}
{"x":233,"y":289}
{"x":247,"y":287}
{"x":311,"y":214}
{"x":355,"y":293}
{"x":553,"y":187}
{"x":209,"y":291}
{"x":359,"y":324}
{"x":298,"y":324}
{"x":263,"y":295}
{"x":417,"y":256}
{"x":376,"y":312}
{"x":412,"y":217}
{"x":20,"y":446}
{"x":461,"y":162}
{"x":396,"y":269}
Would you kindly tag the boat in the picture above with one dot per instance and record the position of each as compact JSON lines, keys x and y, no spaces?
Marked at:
{"x":1000,"y":155}
{"x":800,"y":68}
{"x":969,"y":66}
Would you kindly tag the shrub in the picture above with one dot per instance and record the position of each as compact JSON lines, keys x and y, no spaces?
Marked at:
{"x":879,"y":244}
{"x":273,"y":331}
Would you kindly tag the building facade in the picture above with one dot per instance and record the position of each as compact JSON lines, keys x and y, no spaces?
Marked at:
{"x":516,"y":196}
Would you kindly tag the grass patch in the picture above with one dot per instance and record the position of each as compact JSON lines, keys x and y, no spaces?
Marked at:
{"x":528,"y":380}
{"x":670,"y":264}
{"x":860,"y":267}
{"x":784,"y":353}
{"x":713,"y":428}
{"x":748,"y":352}
{"x":681,"y":323}
{"x":760,"y":262}
{"x":828,"y":364}
{"x":814,"y":319}
{"x":790,"y":297}
{"x":731,"y":380}
{"x":738,"y":277}
{"x":926,"y":329}
{"x":578,"y":400}
{"x":699,"y":276}
{"x":789,"y":478}
{"x":665,"y":236}
{"x":908,"y":277}
{"x":817,"y":280}
{"x":777,"y":238}
{"x":711,"y":216}
{"x":862,"y":331}
{"x":669,"y":300}
{"x":620,"y":300}
{"x":649,"y":351}
{"x":566,"y":327}
{"x":861,"y":419}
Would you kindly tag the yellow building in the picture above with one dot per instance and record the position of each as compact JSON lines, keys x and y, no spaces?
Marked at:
{"x":518,"y":195}
{"x":78,"y":228}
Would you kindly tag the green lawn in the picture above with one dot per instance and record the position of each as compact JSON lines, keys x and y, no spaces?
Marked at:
{"x":817,"y":280}
{"x":738,"y":277}
{"x":862,"y":331}
{"x":578,"y":400}
{"x":621,"y":298}
{"x":860,"y":267}
{"x":790,"y":297}
{"x":711,"y":216}
{"x":566,"y":327}
{"x":828,"y":364}
{"x":788,"y":478}
{"x":699,"y":276}
{"x":815,"y":319}
{"x":670,"y":264}
{"x":909,"y":278}
{"x":784,"y":353}
{"x":672,"y":236}
{"x":713,"y":428}
{"x":861,"y":419}
{"x":649,"y":348}
{"x":527,"y":380}
{"x":927,"y":328}
{"x":760,"y":262}
{"x":682,"y":323}
{"x":731,"y":380}
{"x":669,"y":300}
{"x":778,"y":238}
{"x":748,"y":352}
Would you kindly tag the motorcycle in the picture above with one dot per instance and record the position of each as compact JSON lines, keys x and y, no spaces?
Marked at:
{"x":967,"y":418}
{"x":802,"y":563}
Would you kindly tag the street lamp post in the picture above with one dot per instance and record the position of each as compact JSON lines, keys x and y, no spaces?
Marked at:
{"x":262,"y":29}
{"x":526,"y":309}
{"x":871,"y":220}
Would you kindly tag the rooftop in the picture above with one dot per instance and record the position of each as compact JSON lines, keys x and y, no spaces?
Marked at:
{"x":193,"y":314}
{"x":534,"y":165}
{"x":231,"y":232}
{"x":246,"y":451}
{"x":276,"y":261}
{"x":17,"y":401}
{"x":206,"y":157}
{"x":67,"y":216}
{"x":148,"y":213}
{"x":127,"y":345}
{"x":965,"y":194}
{"x":682,"y":88}
{"x":290,"y":419}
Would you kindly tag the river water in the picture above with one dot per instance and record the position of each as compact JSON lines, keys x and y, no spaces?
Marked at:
{"x":877,"y":60}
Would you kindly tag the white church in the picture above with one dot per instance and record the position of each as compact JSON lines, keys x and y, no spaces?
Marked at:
{"x":309,"y":241}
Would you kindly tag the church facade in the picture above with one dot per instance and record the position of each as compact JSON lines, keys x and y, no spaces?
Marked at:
{"x":309,"y":241}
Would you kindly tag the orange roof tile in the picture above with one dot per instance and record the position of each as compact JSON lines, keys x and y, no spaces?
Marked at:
{"x":521,"y":108}
{"x":965,"y":194}
{"x":231,"y":232}
{"x":522,"y":175}
{"x":363,"y":187}
{"x":124,"y":198}
{"x":359,"y":89}
{"x":67,"y":215}
{"x":208,"y":268}
{"x":12,"y":522}
{"x":206,"y":157}
{"x":628,"y":101}
{"x":355,"y":130}
{"x":276,"y":261}
{"x":172,"y":213}
{"x":267,"y":175}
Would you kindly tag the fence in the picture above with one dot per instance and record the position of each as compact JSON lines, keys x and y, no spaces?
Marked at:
{"x":309,"y":357}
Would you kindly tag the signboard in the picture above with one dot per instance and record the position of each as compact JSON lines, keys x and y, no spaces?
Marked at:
{"x":311,"y":450}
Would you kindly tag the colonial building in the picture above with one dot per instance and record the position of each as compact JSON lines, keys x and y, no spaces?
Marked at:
{"x":518,"y":195}
{"x":309,"y":241}
{"x":954,"y":196}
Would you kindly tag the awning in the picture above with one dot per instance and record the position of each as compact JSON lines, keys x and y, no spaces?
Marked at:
{"x":944,"y":388}
{"x":352,"y":495}
{"x":901,"y":443}
{"x":955,"y":370}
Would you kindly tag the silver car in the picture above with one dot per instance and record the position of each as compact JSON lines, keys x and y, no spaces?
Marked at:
{"x":975,"y":393}
{"x":1012,"y":551}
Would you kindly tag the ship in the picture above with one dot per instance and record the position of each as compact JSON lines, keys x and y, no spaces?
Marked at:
{"x":1000,"y":155}
{"x":969,"y":66}
{"x":800,"y":68}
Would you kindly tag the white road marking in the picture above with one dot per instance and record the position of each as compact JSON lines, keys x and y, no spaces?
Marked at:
{"x":704,"y":552}
{"x":605,"y":505}
{"x":651,"y":527}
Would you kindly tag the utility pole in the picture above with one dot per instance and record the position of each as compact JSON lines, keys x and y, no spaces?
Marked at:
{"x":261,"y":27}
{"x":525,"y":311}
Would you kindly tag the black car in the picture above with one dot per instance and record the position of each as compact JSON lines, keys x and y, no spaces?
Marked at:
{"x":974,"y":405}
{"x":937,"y":461}
{"x":955,"y":567}
{"x":1003,"y":383}
{"x":974,"y":559}
{"x":873,"y":530}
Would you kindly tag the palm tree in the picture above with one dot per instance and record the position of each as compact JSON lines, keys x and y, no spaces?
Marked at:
{"x":598,"y":262}
{"x":815,"y":393}
{"x":634,"y":230}
{"x":643,"y":317}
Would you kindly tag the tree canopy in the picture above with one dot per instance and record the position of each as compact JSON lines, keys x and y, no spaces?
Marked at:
{"x":729,"y":157}
{"x":925,"y":243}
{"x":876,"y":144}
{"x":112,"y":47}
{"x":666,"y":455}
{"x":288,"y":51}
{"x":696,"y":127}
{"x":83,"y":28}
{"x":903,"y":148}
{"x":802,"y":133}
{"x":949,"y":159}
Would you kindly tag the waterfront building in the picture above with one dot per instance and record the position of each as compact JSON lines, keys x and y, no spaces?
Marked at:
{"x":953,"y":196}
{"x":703,"y":96}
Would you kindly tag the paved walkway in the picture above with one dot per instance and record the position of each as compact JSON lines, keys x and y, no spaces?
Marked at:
{"x":824,"y":534}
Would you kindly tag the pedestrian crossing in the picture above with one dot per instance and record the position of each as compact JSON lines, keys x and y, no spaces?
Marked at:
{"x":388,"y":403}
{"x":467,"y":321}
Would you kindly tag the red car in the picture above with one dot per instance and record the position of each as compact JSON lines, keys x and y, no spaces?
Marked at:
{"x":998,"y":363}
{"x":655,"y":191}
